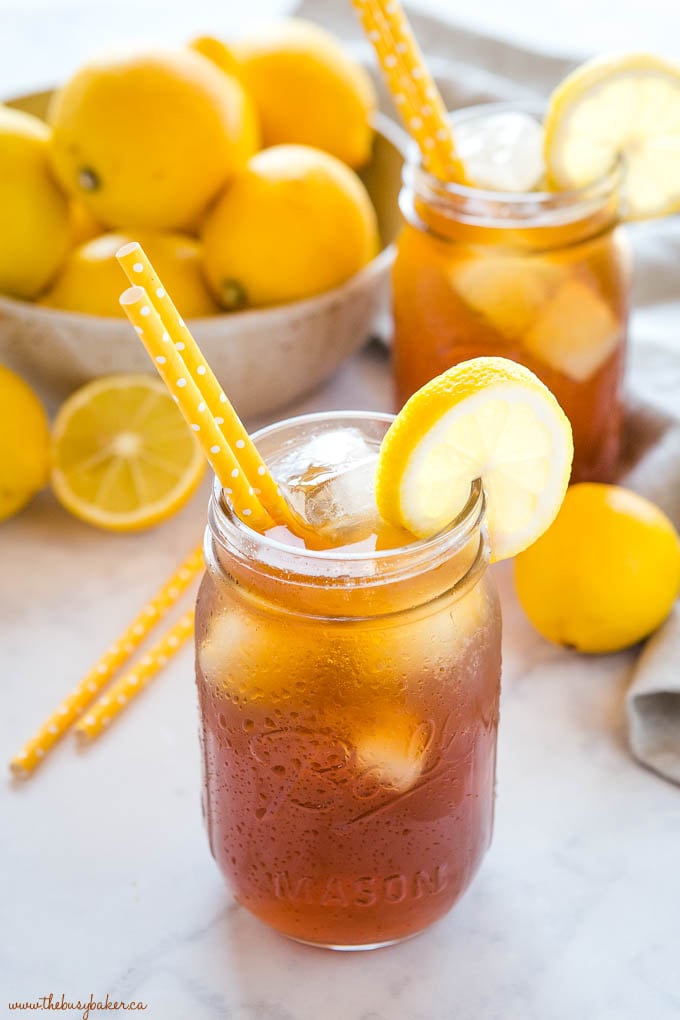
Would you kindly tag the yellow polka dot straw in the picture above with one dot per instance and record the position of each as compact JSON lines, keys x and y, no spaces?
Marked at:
{"x":72,"y":707}
{"x":139,"y":270}
{"x":124,"y":690}
{"x":172,"y":369}
{"x":413,"y":90}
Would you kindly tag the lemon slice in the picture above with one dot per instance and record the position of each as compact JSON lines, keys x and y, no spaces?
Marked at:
{"x":627,"y":107}
{"x":122,"y":455}
{"x":576,"y":331}
{"x":508,"y":291}
{"x":488,"y":418}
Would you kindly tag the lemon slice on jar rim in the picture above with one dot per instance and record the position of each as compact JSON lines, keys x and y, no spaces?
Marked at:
{"x":488,"y":418}
{"x":623,"y":110}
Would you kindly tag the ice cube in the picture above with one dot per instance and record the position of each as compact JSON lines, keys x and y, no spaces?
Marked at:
{"x":393,"y":754}
{"x":432,"y":642}
{"x":337,"y":496}
{"x":256,"y":657}
{"x":331,"y":485}
{"x":226,"y":642}
{"x":328,"y":447}
{"x":502,"y":151}
{"x":576,"y":332}
{"x":508,"y":291}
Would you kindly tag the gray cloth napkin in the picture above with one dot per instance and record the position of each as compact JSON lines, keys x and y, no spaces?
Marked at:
{"x":653,"y":698}
{"x":472,"y":68}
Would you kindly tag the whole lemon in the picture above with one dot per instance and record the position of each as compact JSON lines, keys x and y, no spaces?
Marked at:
{"x":606,"y":572}
{"x":24,"y":443}
{"x":149,"y":139}
{"x":295,"y":223}
{"x":308,"y":90}
{"x":36,"y":227}
{"x":92,"y":280}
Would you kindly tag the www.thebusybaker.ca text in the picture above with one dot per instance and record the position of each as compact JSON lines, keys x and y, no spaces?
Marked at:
{"x":84,"y":1007}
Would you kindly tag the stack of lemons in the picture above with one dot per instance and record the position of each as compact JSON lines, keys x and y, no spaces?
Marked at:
{"x":234,"y":168}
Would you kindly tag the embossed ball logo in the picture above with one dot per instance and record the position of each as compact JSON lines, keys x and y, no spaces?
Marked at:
{"x":316,"y":771}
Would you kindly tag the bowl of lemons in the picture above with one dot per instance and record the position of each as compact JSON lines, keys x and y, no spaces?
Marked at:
{"x":258,"y":177}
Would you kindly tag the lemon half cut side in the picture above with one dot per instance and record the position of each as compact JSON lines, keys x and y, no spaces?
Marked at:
{"x":123,"y":458}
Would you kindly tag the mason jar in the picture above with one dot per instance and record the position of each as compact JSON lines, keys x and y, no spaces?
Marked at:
{"x":349,"y":709}
{"x":540,"y":277}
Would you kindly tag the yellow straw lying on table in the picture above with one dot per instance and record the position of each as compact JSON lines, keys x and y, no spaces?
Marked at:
{"x":72,"y":707}
{"x":413,"y":90}
{"x":104,"y":711}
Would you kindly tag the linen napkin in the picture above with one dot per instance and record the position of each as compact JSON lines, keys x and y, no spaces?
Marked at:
{"x":653,"y":698}
{"x":473,"y":68}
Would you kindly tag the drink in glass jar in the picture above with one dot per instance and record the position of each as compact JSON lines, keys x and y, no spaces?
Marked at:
{"x":541,"y":277}
{"x":349,"y":699}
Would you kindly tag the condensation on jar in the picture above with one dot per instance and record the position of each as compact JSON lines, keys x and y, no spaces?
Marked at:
{"x":349,"y":710}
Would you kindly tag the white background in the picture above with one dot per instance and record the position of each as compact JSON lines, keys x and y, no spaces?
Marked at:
{"x":42,"y":40}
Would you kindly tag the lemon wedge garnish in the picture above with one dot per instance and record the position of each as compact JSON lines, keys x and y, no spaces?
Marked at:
{"x":489,"y":418}
{"x":624,"y":107}
{"x":123,"y":457}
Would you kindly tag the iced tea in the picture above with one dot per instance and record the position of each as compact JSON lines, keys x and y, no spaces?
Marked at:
{"x":349,"y":701}
{"x":540,"y":277}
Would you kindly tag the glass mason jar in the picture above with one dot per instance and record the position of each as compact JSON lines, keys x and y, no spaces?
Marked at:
{"x":349,"y":709}
{"x":542,"y":278}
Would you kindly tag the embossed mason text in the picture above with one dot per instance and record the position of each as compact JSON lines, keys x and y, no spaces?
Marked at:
{"x":363,"y":891}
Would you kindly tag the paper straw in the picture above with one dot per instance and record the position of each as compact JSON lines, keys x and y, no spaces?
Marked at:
{"x":139,"y":270}
{"x":123,"y":691}
{"x":37,"y":748}
{"x":415,"y":94}
{"x":431,"y":109}
{"x":170,"y":365}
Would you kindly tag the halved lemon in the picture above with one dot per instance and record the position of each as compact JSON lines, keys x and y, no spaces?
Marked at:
{"x":625,"y":107}
{"x":489,"y":418}
{"x":123,"y":457}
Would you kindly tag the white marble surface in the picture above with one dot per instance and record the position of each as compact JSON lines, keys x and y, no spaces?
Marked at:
{"x":106,"y":882}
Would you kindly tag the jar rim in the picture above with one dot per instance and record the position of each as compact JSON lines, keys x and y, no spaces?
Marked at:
{"x":524,"y":204}
{"x":237,"y":536}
